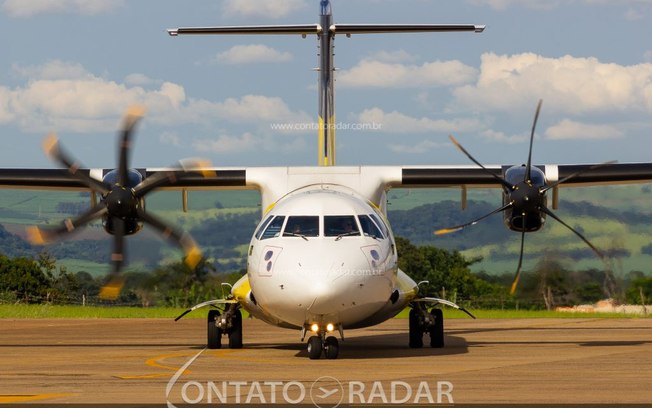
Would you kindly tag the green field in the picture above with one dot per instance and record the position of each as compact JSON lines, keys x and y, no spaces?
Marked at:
{"x":21,"y":311}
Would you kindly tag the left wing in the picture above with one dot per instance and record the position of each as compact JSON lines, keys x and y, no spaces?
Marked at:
{"x":60,"y":179}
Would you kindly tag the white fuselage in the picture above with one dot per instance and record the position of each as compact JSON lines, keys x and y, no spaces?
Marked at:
{"x":324,"y":254}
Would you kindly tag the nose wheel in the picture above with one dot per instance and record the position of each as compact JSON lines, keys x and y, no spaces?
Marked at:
{"x":330,"y":347}
{"x":229,"y":323}
{"x":420,"y":322}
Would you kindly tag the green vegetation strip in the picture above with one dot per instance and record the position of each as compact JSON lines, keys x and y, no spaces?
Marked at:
{"x":20,"y":311}
{"x":90,"y":312}
{"x":528,"y":314}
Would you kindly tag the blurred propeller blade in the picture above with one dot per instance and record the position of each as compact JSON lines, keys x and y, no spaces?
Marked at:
{"x":508,"y":187}
{"x":189,"y":246}
{"x":53,"y":149}
{"x":596,"y":250}
{"x":170,"y":177}
{"x":528,"y":175}
{"x":517,"y":277}
{"x":134,"y":114}
{"x":577,"y":173}
{"x":111,"y":290}
{"x":38,"y":236}
{"x":468,"y":224}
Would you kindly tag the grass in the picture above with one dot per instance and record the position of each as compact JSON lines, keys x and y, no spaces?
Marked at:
{"x":525,"y":314}
{"x":22,"y":311}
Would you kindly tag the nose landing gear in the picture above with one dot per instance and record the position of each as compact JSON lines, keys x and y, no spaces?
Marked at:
{"x":421,"y":321}
{"x":320,"y":343}
{"x":229,"y":323}
{"x":330,"y":347}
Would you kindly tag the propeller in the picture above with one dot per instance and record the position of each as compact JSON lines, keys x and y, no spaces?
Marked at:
{"x":525,"y":199}
{"x":122,"y":202}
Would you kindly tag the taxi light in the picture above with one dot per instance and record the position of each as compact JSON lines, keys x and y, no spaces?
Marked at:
{"x":314,"y":327}
{"x":330,"y":327}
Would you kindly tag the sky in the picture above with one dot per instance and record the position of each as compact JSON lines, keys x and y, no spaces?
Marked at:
{"x":75,"y":66}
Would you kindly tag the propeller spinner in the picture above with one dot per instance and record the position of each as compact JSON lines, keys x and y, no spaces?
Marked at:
{"x":524,"y":199}
{"x":121,"y":206}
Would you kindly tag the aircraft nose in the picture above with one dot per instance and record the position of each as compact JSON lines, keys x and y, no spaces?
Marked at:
{"x":341,"y":289}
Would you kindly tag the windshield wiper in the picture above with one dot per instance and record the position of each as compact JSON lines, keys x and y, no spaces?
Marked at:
{"x":292,"y":234}
{"x":372,"y":236}
{"x":347,"y":234}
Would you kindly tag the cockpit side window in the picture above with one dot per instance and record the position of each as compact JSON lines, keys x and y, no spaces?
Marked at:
{"x":304,"y":225}
{"x":369,"y":227}
{"x":344,"y":225}
{"x":274,"y":228}
{"x":263,"y":226}
{"x":380,"y":223}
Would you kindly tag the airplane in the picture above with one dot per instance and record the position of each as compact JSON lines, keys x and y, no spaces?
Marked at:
{"x":323,"y":258}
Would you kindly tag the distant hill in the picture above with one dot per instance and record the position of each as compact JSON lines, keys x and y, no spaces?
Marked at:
{"x":616,"y":218}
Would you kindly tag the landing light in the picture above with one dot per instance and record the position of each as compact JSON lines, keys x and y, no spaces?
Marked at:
{"x":330,"y":327}
{"x":314,"y":327}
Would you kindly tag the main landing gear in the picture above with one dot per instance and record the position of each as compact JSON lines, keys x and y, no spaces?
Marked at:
{"x":421,"y":322}
{"x":229,"y":323}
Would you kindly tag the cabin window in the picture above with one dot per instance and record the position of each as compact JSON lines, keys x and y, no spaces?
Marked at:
{"x":263,"y":226}
{"x":302,"y":226}
{"x":274,"y":228}
{"x":340,"y":225}
{"x":369,"y":227}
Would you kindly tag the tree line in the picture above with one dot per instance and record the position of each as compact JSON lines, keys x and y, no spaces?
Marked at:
{"x":38,"y":280}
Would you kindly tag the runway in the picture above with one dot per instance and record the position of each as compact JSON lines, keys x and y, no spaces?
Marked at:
{"x":546,"y":361}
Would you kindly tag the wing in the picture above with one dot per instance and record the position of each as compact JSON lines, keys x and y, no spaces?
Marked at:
{"x":60,"y":179}
{"x":585,"y":175}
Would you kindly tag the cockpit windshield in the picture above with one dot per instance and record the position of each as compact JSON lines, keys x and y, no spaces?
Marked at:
{"x":274,"y":228}
{"x":369,"y":227}
{"x":340,"y":226}
{"x":302,"y":226}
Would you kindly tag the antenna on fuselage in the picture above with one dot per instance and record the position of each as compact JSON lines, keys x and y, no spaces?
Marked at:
{"x":326,"y":31}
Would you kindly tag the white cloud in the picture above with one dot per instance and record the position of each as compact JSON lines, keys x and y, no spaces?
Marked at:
{"x":28,"y":8}
{"x":421,"y":147}
{"x":52,"y":70}
{"x":632,"y":9}
{"x":370,"y":73}
{"x":504,"y":4}
{"x":140,"y":80}
{"x":393,"y":56}
{"x":227,"y":144}
{"x":568,"y":84}
{"x":170,"y":138}
{"x":568,"y":129}
{"x":76,"y":100}
{"x":247,"y":54}
{"x":396,"y":122}
{"x":647,"y":55}
{"x":501,"y":137}
{"x":262,"y":9}
{"x":258,"y":108}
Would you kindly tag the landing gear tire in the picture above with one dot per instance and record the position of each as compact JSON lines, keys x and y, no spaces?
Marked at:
{"x":437,"y":330}
{"x":315,"y":347}
{"x":214,"y":333}
{"x":416,"y":333}
{"x":331,"y":348}
{"x":235,"y":334}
